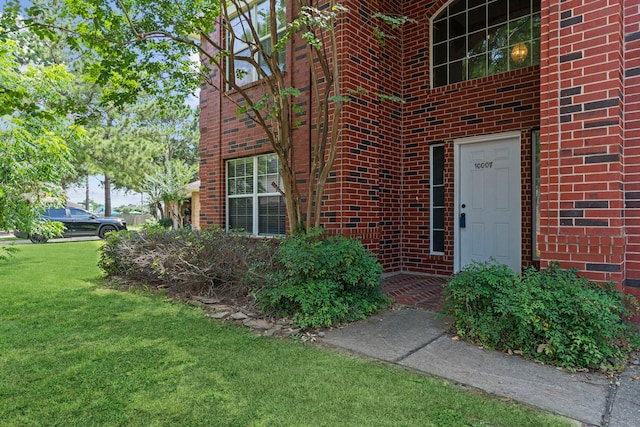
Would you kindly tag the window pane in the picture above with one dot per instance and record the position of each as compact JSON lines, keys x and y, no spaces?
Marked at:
{"x":518,"y":8}
{"x":438,"y":196}
{"x":478,"y":66}
{"x":477,"y":43}
{"x":498,"y":37}
{"x":457,"y":6}
{"x":535,"y":52}
{"x":498,"y":61}
{"x":440,"y":76}
{"x":263,"y":22}
{"x":437,"y":165}
{"x":535,"y":26}
{"x":457,"y":48}
{"x":440,"y":31}
{"x":457,"y":71}
{"x":268,"y":173}
{"x":241,"y":33}
{"x":477,"y":19}
{"x":271,"y":215}
{"x":520,"y":30}
{"x":240,"y":176}
{"x":497,"y":12}
{"x":438,"y":218}
{"x":440,"y":53}
{"x":458,"y":25}
{"x":241,"y":214}
{"x":437,"y":241}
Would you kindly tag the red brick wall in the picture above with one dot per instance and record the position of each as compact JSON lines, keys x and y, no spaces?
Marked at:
{"x":383,"y":162}
{"x":499,"y":103}
{"x":632,"y":144}
{"x":582,"y":212}
{"x":225,"y":135}
{"x":363,"y":200}
{"x":584,"y":96}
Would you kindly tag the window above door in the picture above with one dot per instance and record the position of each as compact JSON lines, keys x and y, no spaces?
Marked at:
{"x":477,"y":38}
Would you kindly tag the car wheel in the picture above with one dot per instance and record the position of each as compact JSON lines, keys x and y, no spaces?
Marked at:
{"x":36,"y":238}
{"x":104,"y":230}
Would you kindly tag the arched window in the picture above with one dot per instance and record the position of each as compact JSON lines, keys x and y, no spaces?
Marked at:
{"x":477,"y":38}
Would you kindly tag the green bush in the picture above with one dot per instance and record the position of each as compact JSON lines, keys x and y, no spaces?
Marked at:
{"x":322,"y":281}
{"x":552,"y":315}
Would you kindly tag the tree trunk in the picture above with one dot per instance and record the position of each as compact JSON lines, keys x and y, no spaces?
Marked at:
{"x":107,"y":196}
{"x":86,"y":194}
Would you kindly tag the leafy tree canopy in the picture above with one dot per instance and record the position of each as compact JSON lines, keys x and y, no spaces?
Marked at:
{"x":34,"y":135}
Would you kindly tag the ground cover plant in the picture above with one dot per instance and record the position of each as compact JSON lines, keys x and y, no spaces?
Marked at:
{"x":552,"y":315}
{"x":76,"y":353}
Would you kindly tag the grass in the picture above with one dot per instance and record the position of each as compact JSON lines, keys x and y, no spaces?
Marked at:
{"x":75,"y":353}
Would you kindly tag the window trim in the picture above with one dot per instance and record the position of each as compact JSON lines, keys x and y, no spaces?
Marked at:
{"x":535,"y":192}
{"x":254,"y":196}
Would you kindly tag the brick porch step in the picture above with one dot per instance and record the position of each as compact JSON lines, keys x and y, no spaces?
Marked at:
{"x":415,"y":290}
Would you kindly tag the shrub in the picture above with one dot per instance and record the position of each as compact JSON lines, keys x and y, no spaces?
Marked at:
{"x":185,"y":261}
{"x":322,"y":281}
{"x":552,"y":315}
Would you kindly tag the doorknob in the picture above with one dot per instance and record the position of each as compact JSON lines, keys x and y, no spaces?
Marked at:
{"x":463,"y":220}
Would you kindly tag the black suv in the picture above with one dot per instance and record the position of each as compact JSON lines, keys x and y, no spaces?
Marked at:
{"x":77,"y":222}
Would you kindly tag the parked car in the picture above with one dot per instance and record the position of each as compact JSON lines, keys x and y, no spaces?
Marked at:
{"x":77,"y":222}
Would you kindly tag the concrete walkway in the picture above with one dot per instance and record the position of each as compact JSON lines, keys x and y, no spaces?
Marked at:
{"x":419,"y":340}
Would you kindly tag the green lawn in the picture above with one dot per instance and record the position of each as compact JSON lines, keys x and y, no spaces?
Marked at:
{"x":73,"y":353}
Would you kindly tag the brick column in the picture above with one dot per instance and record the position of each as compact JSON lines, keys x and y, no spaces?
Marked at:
{"x":581,"y":102}
{"x":632,"y":145}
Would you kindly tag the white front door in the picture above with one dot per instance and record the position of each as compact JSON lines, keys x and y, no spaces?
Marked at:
{"x":488,"y":206}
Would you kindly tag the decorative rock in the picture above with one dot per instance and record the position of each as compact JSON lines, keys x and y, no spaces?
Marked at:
{"x":194,"y":302}
{"x":239,"y":316}
{"x":205,"y":300}
{"x":219,"y":315}
{"x":320,"y":334}
{"x":276,"y":330}
{"x":219,"y":307}
{"x":257,"y":324}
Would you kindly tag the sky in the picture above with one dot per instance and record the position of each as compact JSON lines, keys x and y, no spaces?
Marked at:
{"x":76,"y":194}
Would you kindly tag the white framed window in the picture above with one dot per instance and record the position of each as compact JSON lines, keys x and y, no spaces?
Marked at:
{"x":477,"y":38}
{"x":243,"y":72}
{"x":437,"y":198}
{"x":253,"y":204}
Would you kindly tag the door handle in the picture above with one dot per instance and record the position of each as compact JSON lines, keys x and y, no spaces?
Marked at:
{"x":463,"y":220}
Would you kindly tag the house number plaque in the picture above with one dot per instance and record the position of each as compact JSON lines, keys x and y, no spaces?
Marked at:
{"x":483,"y":165}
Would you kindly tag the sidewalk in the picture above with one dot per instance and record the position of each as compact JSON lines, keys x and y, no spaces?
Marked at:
{"x":416,"y":339}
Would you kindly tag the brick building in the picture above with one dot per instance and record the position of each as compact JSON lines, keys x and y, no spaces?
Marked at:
{"x":519,"y":138}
